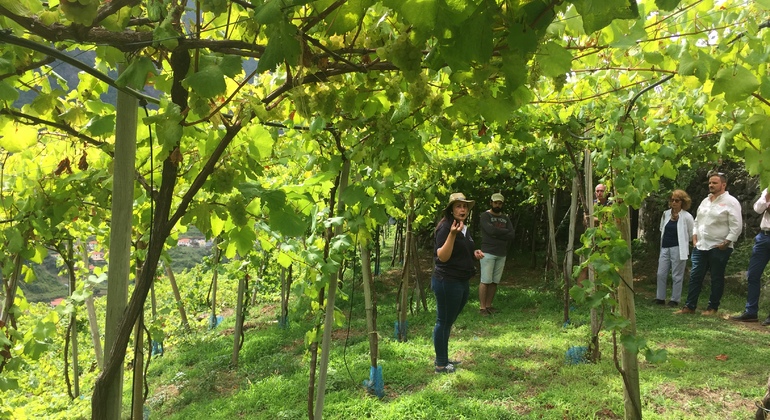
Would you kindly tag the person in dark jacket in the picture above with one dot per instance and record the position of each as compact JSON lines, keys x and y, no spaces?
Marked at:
{"x":454,"y":254}
{"x":496,"y":234}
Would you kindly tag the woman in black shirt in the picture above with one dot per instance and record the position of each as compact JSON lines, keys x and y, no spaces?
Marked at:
{"x":455,"y":253}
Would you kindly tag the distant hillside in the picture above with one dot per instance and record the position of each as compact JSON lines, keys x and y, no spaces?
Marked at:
{"x":49,"y":286}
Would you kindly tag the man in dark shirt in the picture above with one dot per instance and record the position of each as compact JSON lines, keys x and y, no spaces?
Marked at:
{"x":496,"y":233}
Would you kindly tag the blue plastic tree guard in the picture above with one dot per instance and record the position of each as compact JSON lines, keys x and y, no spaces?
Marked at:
{"x":397,"y":327}
{"x":576,"y":355}
{"x":375,"y":384}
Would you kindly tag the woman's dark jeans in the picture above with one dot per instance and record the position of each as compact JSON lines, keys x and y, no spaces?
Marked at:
{"x":451,"y":297}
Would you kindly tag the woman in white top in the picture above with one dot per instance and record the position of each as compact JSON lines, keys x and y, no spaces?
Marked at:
{"x":676,"y":226}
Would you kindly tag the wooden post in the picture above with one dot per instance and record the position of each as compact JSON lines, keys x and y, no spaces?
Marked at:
{"x":630,"y":372}
{"x":329,"y":316}
{"x":570,"y":253}
{"x":120,"y":244}
{"x":177,"y":297}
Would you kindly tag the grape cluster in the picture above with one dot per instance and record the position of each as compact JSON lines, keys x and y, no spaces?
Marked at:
{"x":237,"y":209}
{"x":302,"y":103}
{"x":405,"y":56}
{"x":559,"y":82}
{"x":534,"y":73}
{"x":324,"y":101}
{"x":221,"y":181}
{"x":349,"y":100}
{"x":418,"y":91}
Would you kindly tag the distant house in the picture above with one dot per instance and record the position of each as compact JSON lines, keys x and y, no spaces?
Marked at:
{"x":97,"y":256}
{"x":56,"y":302}
{"x":184,"y":242}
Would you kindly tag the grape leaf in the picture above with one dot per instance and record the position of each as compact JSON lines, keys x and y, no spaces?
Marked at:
{"x":736,"y":82}
{"x":7,"y":92}
{"x":554,"y":59}
{"x":208,"y":82}
{"x":598,"y":14}
{"x":667,"y":4}
{"x":135,"y":75}
{"x":282,"y":45}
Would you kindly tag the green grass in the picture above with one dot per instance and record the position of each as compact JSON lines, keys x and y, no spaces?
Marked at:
{"x":513,"y":366}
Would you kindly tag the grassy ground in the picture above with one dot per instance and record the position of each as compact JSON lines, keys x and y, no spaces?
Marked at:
{"x":514,"y":364}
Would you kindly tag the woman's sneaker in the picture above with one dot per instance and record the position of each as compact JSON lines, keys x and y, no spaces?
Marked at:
{"x":449,"y":368}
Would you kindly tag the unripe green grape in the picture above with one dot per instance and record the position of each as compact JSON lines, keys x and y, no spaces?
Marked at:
{"x":237,"y":209}
{"x":559,"y":81}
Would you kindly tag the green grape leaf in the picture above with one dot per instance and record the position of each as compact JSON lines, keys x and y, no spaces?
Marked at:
{"x":736,"y":82}
{"x":243,"y":238}
{"x":165,"y":34}
{"x":270,"y":12}
{"x":759,"y":128}
{"x":284,"y":260}
{"x":282,"y":45}
{"x":598,"y":14}
{"x":231,"y":65}
{"x":101,"y":125}
{"x":632,"y":343}
{"x":689,"y":66}
{"x":344,"y":18}
{"x":496,"y":109}
{"x":136,"y":74}
{"x":667,"y":4}
{"x":6,"y":383}
{"x":420,"y":13}
{"x":15,"y":137}
{"x":209,"y":82}
{"x":653,"y":57}
{"x":80,"y":11}
{"x":554,"y":59}
{"x":616,"y":323}
{"x":656,"y":356}
{"x":7,"y":92}
{"x":259,"y":140}
{"x":668,"y":170}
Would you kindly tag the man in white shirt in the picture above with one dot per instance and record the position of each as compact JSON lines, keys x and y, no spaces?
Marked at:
{"x":760,"y":256}
{"x":717,"y":226}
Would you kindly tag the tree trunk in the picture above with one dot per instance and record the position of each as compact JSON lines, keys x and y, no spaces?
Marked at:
{"x":120,"y":243}
{"x":570,"y":252}
{"x":402,"y":330}
{"x":595,"y":353}
{"x":370,"y":305}
{"x":630,"y":372}
{"x":332,"y":293}
{"x":137,"y":394}
{"x":217,"y":256}
{"x":552,"y":259}
{"x":238,"y":330}
{"x":73,"y":320}
{"x":421,"y":288}
{"x":177,"y":297}
{"x":93,"y":322}
{"x":10,"y":289}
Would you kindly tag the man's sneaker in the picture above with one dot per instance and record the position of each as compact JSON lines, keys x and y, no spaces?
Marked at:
{"x":449,"y":368}
{"x":766,"y":322}
{"x":659,"y":301}
{"x":673,"y":303}
{"x":745,"y":317}
{"x":709,"y":312}
{"x":685,"y":310}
